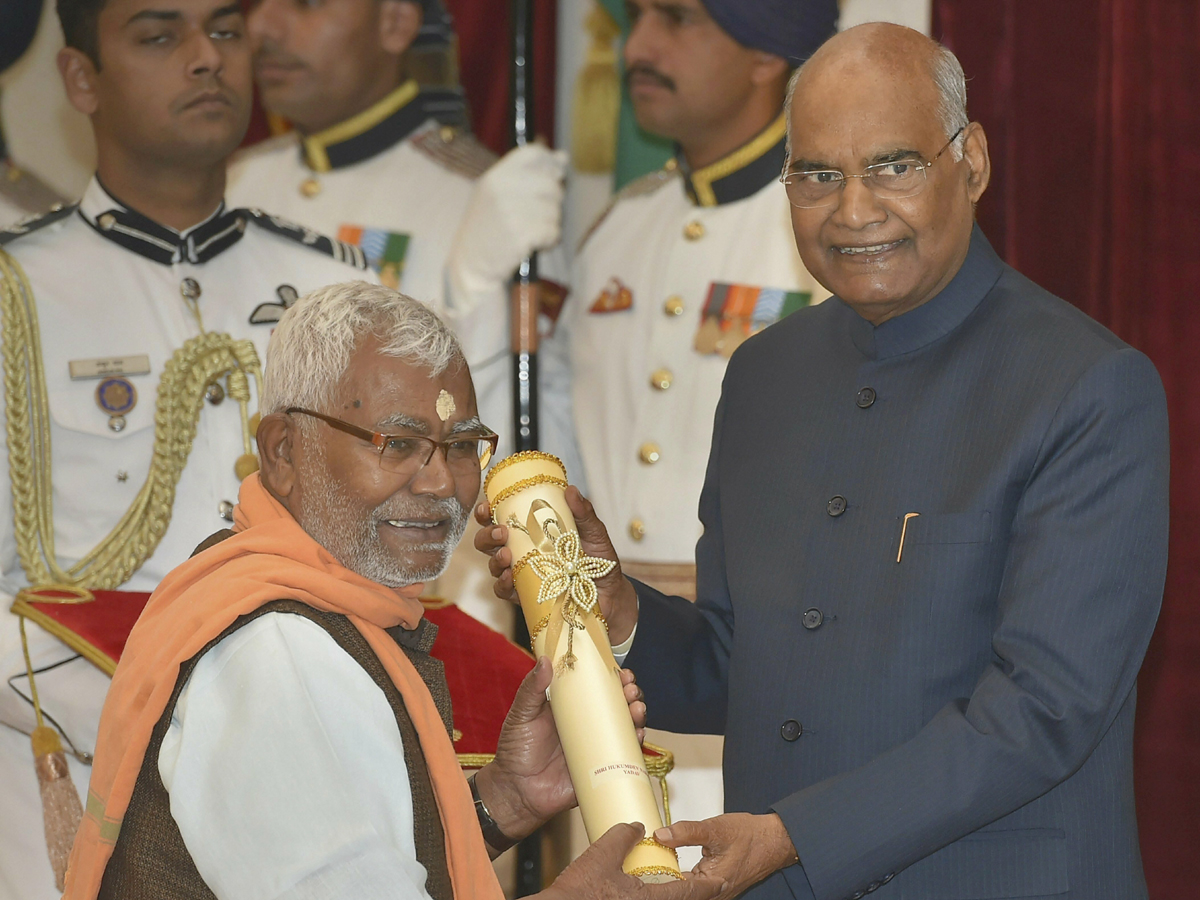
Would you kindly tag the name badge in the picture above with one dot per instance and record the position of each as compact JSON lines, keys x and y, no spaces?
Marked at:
{"x":103,"y":367}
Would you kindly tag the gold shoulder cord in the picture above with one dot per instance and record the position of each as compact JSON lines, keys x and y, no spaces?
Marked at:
{"x":197,"y":364}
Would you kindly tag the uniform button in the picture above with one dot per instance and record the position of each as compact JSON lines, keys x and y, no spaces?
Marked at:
{"x":310,"y":187}
{"x":790,"y":730}
{"x":107,"y":221}
{"x":446,"y":133}
{"x":858,"y":895}
{"x":661,"y":379}
{"x":872,"y":887}
{"x":649,"y":453}
{"x":694,"y":230}
{"x":116,"y":423}
{"x":189,"y":289}
{"x":866,"y":397}
{"x":214,"y":394}
{"x":637,"y":529}
{"x":673,"y":306}
{"x":225,"y":510}
{"x":836,"y":505}
{"x":888,"y":877}
{"x":122,"y":476}
{"x":813,"y":618}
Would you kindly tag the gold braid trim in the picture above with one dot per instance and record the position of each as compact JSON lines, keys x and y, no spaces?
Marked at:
{"x":515,"y":488}
{"x":194,"y":366}
{"x":654,"y":870}
{"x":520,"y":457}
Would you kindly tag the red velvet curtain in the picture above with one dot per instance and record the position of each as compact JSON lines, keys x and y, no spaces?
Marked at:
{"x":485,"y":59}
{"x":1092,"y":110}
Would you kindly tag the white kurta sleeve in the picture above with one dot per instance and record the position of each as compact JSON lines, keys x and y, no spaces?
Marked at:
{"x":286,"y":771}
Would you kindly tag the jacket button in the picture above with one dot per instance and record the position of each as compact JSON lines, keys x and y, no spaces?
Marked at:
{"x":225,"y":510}
{"x":637,"y":529}
{"x":888,"y":877}
{"x":790,"y":730}
{"x":872,"y":887}
{"x":694,"y":230}
{"x":836,"y":505}
{"x":649,"y":453}
{"x":813,"y":618}
{"x":661,"y":379}
{"x":866,"y":397}
{"x":673,"y":306}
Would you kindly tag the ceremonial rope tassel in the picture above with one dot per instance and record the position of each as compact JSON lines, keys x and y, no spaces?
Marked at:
{"x":568,"y":578}
{"x":61,"y":810}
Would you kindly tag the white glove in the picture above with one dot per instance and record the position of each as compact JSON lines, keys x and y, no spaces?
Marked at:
{"x":515,"y":209}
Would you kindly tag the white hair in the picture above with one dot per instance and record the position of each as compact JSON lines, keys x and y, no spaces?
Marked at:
{"x":311,"y":347}
{"x":951,"y":82}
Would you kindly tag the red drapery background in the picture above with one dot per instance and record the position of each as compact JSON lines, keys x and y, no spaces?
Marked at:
{"x":1092,"y":110}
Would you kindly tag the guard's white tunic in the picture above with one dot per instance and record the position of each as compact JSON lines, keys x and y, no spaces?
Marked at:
{"x":643,"y":243}
{"x":100,"y":298}
{"x":644,"y":397}
{"x":286,"y":771}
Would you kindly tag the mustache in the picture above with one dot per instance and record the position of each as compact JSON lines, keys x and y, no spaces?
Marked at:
{"x":408,"y":508}
{"x":270,"y":52}
{"x":641,"y":69}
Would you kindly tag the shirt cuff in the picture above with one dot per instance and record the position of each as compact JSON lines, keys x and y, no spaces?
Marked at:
{"x":621,"y":650}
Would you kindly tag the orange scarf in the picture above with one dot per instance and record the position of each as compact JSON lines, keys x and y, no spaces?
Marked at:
{"x":270,"y":558}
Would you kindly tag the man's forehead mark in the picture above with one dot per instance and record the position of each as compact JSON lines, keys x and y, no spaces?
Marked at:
{"x":445,"y":405}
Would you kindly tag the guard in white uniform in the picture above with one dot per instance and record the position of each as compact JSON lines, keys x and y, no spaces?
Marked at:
{"x":684,"y":265}
{"x":370,"y":163}
{"x":121,"y":333}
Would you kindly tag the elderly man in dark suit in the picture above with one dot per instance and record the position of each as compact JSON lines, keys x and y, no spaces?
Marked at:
{"x":934,"y":547}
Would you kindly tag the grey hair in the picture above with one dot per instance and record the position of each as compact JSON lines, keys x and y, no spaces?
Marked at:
{"x":311,"y":347}
{"x":951,"y":82}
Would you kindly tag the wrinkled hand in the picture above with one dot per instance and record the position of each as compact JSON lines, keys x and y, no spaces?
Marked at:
{"x":597,"y":875}
{"x":738,"y":848}
{"x":528,"y":781}
{"x":515,"y":209}
{"x":618,"y":601}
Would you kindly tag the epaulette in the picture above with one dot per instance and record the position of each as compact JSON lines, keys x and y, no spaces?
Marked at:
{"x":56,"y":213}
{"x":639,"y":187}
{"x":339,"y":250}
{"x":455,"y":149}
{"x":25,"y":190}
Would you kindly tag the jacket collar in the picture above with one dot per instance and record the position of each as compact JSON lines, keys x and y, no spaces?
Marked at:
{"x":742,"y":173}
{"x":369,"y":133}
{"x":134,"y":231}
{"x":937,"y":316}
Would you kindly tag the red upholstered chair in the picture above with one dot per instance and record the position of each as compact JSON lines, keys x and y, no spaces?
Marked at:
{"x":483,"y":667}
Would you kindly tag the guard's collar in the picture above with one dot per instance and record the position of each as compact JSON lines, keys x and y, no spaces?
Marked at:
{"x":372,"y":131}
{"x":742,"y":173}
{"x":937,"y":316}
{"x":134,"y":231}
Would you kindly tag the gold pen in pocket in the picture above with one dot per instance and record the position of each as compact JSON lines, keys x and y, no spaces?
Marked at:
{"x":903,"y":532}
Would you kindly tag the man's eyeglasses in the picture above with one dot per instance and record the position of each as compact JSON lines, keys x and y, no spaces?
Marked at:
{"x":815,"y":188}
{"x":407,"y":454}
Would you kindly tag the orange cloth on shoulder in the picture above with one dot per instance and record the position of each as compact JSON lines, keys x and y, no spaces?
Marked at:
{"x":270,"y":558}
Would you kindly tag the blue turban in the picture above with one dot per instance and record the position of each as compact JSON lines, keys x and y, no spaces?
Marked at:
{"x":793,"y":29}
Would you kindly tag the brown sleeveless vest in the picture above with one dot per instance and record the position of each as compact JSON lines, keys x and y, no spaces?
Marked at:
{"x":150,"y":861}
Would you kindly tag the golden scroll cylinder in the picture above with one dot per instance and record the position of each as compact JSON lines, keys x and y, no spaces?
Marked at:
{"x":555,"y":583}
